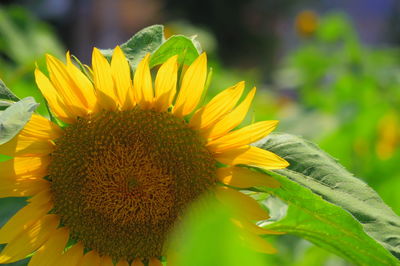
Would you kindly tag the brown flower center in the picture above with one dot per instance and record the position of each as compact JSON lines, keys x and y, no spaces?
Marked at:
{"x":120,"y":180}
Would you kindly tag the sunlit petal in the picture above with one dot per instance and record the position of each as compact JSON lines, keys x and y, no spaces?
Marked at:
{"x":192,"y":87}
{"x":243,"y":136}
{"x":142,"y":84}
{"x":249,"y":155}
{"x":103,"y":81}
{"x":218,"y":107}
{"x":231,"y":120}
{"x":165,"y":86}
{"x":121,"y":73}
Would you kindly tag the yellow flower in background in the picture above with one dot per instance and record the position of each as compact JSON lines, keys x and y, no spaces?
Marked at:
{"x":388,"y":135}
{"x":306,"y":23}
{"x":109,"y":186}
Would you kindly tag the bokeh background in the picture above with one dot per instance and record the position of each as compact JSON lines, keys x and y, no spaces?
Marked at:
{"x":328,"y":70}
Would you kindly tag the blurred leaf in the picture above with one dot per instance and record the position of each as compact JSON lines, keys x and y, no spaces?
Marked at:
{"x":143,"y":42}
{"x":327,"y":225}
{"x":179,"y":45}
{"x":208,"y":237}
{"x":333,"y":27}
{"x":12,"y":38}
{"x":24,"y":40}
{"x":14,"y":118}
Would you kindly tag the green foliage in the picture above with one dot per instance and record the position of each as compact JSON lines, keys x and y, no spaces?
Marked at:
{"x":176,"y":45}
{"x":14,"y":118}
{"x":23,"y":42}
{"x":6,"y":96}
{"x":143,"y":42}
{"x":336,"y":77}
{"x":23,"y":38}
{"x":352,"y":92}
{"x":316,"y":219}
{"x":151,"y":40}
{"x":326,"y":225}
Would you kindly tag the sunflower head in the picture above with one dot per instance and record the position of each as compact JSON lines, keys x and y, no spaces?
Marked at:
{"x":109,"y":185}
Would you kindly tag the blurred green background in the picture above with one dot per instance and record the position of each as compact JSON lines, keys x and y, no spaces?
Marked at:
{"x":328,"y":70}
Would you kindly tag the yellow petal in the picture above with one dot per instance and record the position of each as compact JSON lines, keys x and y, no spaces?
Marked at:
{"x":106,"y":261}
{"x":165,"y":84}
{"x":255,"y":229}
{"x":142,"y":83}
{"x":82,"y":84}
{"x":41,"y":198}
{"x":30,"y":239}
{"x":219,"y":106}
{"x":91,"y":258}
{"x":72,"y":256}
{"x":51,"y":251}
{"x":70,"y":94}
{"x":103,"y":82}
{"x":137,"y":262}
{"x":22,"y":176}
{"x":27,"y":216}
{"x":24,"y":166}
{"x":253,"y":156}
{"x":122,"y":263}
{"x":243,"y":136}
{"x":53,"y":98}
{"x":155,"y":262}
{"x":121,"y":73}
{"x":245,"y":206}
{"x":22,"y":186}
{"x":42,"y":128}
{"x":192,"y":87}
{"x":231,"y":120}
{"x":259,"y":244}
{"x":22,"y":146}
{"x":244,"y":178}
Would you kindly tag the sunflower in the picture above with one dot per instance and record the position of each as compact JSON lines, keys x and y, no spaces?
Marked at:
{"x":306,"y":23}
{"x":109,"y":184}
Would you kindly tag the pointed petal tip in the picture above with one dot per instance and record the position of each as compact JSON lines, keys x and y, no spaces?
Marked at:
{"x":276,"y":122}
{"x":286,"y":163}
{"x":50,"y":58}
{"x":173,"y":59}
{"x":147,"y":56}
{"x":203,"y":58}
{"x":118,"y":51}
{"x":96,"y":52}
{"x":241,"y":83}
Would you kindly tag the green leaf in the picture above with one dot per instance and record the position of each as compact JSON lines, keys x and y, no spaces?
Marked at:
{"x":4,"y":104}
{"x":14,"y":118}
{"x":143,"y":42}
{"x":330,"y":207}
{"x":7,"y":97}
{"x":179,"y":45}
{"x":6,"y":94}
